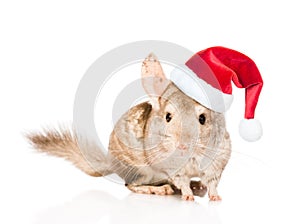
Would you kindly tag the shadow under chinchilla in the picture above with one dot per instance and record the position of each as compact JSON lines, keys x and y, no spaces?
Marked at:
{"x":101,"y":207}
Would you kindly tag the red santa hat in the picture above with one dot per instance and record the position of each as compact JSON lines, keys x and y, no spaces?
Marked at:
{"x":206,"y":77}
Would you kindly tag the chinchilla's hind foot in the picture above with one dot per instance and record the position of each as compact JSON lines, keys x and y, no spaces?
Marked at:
{"x":148,"y":189}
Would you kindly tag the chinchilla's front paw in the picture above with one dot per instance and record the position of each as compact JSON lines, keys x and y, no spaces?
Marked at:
{"x":188,"y":197}
{"x":215,"y":198}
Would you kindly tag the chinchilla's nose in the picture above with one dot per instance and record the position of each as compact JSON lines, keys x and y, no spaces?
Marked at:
{"x":182,"y":146}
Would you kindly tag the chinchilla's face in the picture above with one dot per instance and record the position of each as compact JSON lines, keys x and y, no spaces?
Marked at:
{"x":192,"y":121}
{"x":178,"y":123}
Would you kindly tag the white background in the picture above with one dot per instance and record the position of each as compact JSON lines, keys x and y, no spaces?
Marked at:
{"x":45,"y":48}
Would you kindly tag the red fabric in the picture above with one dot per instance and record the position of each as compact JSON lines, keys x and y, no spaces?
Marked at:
{"x":218,"y":66}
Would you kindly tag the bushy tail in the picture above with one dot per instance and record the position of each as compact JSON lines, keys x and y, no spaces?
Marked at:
{"x":67,"y":144}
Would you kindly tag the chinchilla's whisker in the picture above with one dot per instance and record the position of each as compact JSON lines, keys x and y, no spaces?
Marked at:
{"x":249,"y":156}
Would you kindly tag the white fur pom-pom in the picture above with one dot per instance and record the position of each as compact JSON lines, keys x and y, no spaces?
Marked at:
{"x":250,"y":130}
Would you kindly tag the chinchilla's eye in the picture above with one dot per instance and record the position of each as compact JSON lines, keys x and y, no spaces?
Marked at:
{"x":168,"y":117}
{"x":202,"y":119}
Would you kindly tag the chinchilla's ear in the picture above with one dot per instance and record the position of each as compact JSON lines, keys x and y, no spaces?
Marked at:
{"x":153,"y":78}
